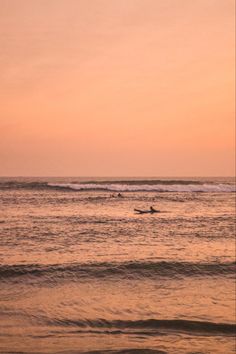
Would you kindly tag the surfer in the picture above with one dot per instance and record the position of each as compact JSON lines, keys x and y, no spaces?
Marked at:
{"x":119,"y":195}
{"x":152,"y":210}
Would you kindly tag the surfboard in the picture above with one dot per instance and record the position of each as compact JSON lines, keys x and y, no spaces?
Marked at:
{"x":146,"y":211}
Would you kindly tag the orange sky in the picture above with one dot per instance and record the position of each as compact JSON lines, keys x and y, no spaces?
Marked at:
{"x":117,"y":87}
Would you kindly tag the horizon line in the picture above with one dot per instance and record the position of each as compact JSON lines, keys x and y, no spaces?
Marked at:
{"x":117,"y":176}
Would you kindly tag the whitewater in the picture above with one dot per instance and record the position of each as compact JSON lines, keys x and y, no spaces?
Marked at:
{"x":214,"y":188}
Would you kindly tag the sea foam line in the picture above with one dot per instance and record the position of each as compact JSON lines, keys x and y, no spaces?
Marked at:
{"x":210,"y":188}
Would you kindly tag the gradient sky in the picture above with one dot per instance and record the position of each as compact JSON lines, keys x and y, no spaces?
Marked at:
{"x":117,"y":87}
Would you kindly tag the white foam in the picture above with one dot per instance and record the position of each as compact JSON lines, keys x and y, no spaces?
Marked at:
{"x":210,"y":188}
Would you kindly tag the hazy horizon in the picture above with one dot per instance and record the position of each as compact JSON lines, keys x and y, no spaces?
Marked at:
{"x":111,"y":176}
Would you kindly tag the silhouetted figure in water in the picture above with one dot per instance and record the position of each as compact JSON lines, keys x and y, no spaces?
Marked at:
{"x":119,"y":195}
{"x":153,"y":210}
{"x":150,"y":211}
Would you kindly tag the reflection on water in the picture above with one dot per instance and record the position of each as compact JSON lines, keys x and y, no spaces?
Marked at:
{"x":80,"y":271}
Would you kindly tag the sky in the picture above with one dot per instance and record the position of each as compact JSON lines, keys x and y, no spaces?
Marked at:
{"x":117,"y":87}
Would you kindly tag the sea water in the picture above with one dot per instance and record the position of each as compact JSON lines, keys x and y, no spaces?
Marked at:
{"x":81,"y":272}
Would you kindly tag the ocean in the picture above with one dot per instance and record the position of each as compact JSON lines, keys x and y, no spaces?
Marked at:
{"x":82,"y":272}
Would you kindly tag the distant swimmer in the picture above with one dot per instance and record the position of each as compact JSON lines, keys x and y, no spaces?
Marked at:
{"x":119,"y":195}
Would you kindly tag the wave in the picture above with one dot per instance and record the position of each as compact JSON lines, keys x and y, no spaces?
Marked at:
{"x":128,"y":269}
{"x":123,"y":351}
{"x":103,"y":351}
{"x":148,"y":185}
{"x":23,"y":185}
{"x":115,"y":187}
{"x":148,"y":326}
{"x":119,"y":351}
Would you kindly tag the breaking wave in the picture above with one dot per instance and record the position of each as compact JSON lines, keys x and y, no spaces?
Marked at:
{"x":125,"y":185}
{"x":115,"y":187}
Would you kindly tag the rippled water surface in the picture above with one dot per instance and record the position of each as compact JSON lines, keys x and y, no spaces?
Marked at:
{"x":82,"y":272}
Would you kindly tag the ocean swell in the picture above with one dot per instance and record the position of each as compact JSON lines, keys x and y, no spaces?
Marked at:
{"x":113,"y":270}
{"x":148,"y":326}
{"x":115,"y":187}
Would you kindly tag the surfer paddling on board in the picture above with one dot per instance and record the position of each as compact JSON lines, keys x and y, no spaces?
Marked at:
{"x":151,"y":211}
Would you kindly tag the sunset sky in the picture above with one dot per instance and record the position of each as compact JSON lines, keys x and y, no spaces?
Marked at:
{"x":117,"y":87}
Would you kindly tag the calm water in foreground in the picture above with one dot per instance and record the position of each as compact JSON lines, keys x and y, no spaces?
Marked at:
{"x":80,"y":272}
